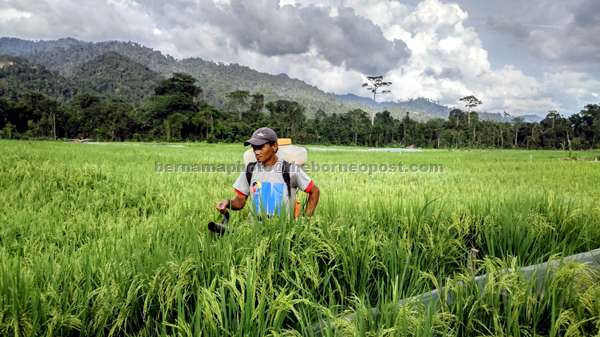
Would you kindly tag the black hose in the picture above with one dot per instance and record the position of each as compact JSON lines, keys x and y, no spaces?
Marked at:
{"x":219,"y":228}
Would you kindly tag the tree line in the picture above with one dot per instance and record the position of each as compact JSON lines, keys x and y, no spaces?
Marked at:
{"x":174,"y":113}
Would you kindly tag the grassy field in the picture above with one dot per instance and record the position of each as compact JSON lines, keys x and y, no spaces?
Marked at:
{"x":94,"y":242}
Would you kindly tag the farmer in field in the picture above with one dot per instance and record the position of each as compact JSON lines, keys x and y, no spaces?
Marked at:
{"x":270,"y":182}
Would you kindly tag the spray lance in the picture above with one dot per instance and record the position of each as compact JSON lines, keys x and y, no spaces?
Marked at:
{"x":219,"y":228}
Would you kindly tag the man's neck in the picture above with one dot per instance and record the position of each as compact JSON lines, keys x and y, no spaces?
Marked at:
{"x":270,"y":163}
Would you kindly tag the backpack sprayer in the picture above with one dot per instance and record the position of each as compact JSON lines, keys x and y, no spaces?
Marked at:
{"x":289,"y":153}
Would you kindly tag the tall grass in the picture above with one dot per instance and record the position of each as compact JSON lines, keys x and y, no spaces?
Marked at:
{"x":94,"y":242}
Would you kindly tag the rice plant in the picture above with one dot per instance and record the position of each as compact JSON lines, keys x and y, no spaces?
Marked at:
{"x":94,"y":242}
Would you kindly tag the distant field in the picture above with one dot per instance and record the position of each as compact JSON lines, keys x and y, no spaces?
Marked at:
{"x":93,"y":241}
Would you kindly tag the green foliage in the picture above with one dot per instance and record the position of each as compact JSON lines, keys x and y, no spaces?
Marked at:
{"x":18,"y":77}
{"x":238,"y":102}
{"x":18,"y":47}
{"x":172,"y":108}
{"x":470,"y":101}
{"x":178,"y":84}
{"x":113,"y":76}
{"x":126,"y":76}
{"x":219,"y":79}
{"x":91,"y":117}
{"x":94,"y":242}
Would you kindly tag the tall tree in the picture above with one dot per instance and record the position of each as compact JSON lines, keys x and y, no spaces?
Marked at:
{"x":294,"y":117}
{"x":592,"y":114}
{"x":552,"y":116}
{"x":359,"y":119}
{"x":455,"y":116}
{"x":258,"y":102}
{"x":518,"y":123}
{"x":178,"y":83}
{"x":383,"y":128}
{"x":470,"y":102}
{"x":435,"y":128}
{"x":376,"y":82}
{"x":43,"y":114}
{"x":172,"y":96}
{"x":238,"y":100}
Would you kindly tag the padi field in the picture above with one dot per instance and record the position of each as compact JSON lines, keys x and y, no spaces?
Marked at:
{"x":94,"y":242}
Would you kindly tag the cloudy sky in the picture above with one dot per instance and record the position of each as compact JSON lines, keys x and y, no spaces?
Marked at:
{"x":517,"y":56}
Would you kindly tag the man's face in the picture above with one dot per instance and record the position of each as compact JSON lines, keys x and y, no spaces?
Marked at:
{"x":264,"y":153}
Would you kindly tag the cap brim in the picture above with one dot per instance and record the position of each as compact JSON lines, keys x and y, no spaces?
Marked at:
{"x":255,"y":141}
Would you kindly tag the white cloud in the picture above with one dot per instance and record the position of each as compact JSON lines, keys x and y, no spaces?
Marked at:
{"x":447,"y":58}
{"x":98,"y":20}
{"x":447,"y":61}
{"x":12,"y":14}
{"x":576,"y":86}
{"x":440,"y":43}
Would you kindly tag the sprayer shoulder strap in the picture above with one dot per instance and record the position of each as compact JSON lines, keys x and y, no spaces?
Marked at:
{"x":249,"y":171}
{"x":286,"y":177}
{"x":285,"y":173}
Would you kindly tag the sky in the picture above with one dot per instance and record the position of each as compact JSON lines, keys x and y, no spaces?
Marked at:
{"x":521,"y":57}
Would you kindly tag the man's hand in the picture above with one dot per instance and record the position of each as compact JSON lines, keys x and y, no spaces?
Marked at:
{"x":313,"y":200}
{"x":234,"y":204}
{"x":222,"y":206}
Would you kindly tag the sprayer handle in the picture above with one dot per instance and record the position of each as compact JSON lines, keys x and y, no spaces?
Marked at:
{"x":226,"y":220}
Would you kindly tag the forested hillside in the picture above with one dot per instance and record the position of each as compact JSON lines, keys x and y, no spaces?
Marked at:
{"x":16,"y":47}
{"x":111,"y":91}
{"x":19,"y":76}
{"x":109,"y":76}
{"x":113,"y":75}
{"x":218,"y":79}
{"x":417,"y":104}
{"x":174,"y":113}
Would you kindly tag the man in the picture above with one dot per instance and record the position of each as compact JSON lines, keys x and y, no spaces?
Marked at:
{"x":267,"y":187}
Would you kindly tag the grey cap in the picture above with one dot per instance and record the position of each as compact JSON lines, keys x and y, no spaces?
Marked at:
{"x":261,"y":137}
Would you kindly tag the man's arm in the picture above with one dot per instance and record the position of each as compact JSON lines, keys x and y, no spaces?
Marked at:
{"x":313,"y":199}
{"x":300,"y":180}
{"x":237,"y":203}
{"x":242,"y":189}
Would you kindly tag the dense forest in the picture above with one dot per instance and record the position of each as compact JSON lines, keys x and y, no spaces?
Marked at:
{"x":16,"y":47}
{"x":116,"y":99}
{"x":217,"y":78}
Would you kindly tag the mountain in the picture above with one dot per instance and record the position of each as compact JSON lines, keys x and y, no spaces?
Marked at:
{"x":531,"y":118}
{"x":489,"y":116}
{"x":216,"y":78}
{"x":426,"y":106}
{"x":66,"y":60}
{"x":104,"y":73}
{"x":109,"y":76}
{"x":17,"y":47}
{"x":417,"y":106}
{"x":112,"y":75}
{"x":497,"y":117}
{"x":18,"y":76}
{"x":364,"y":100}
